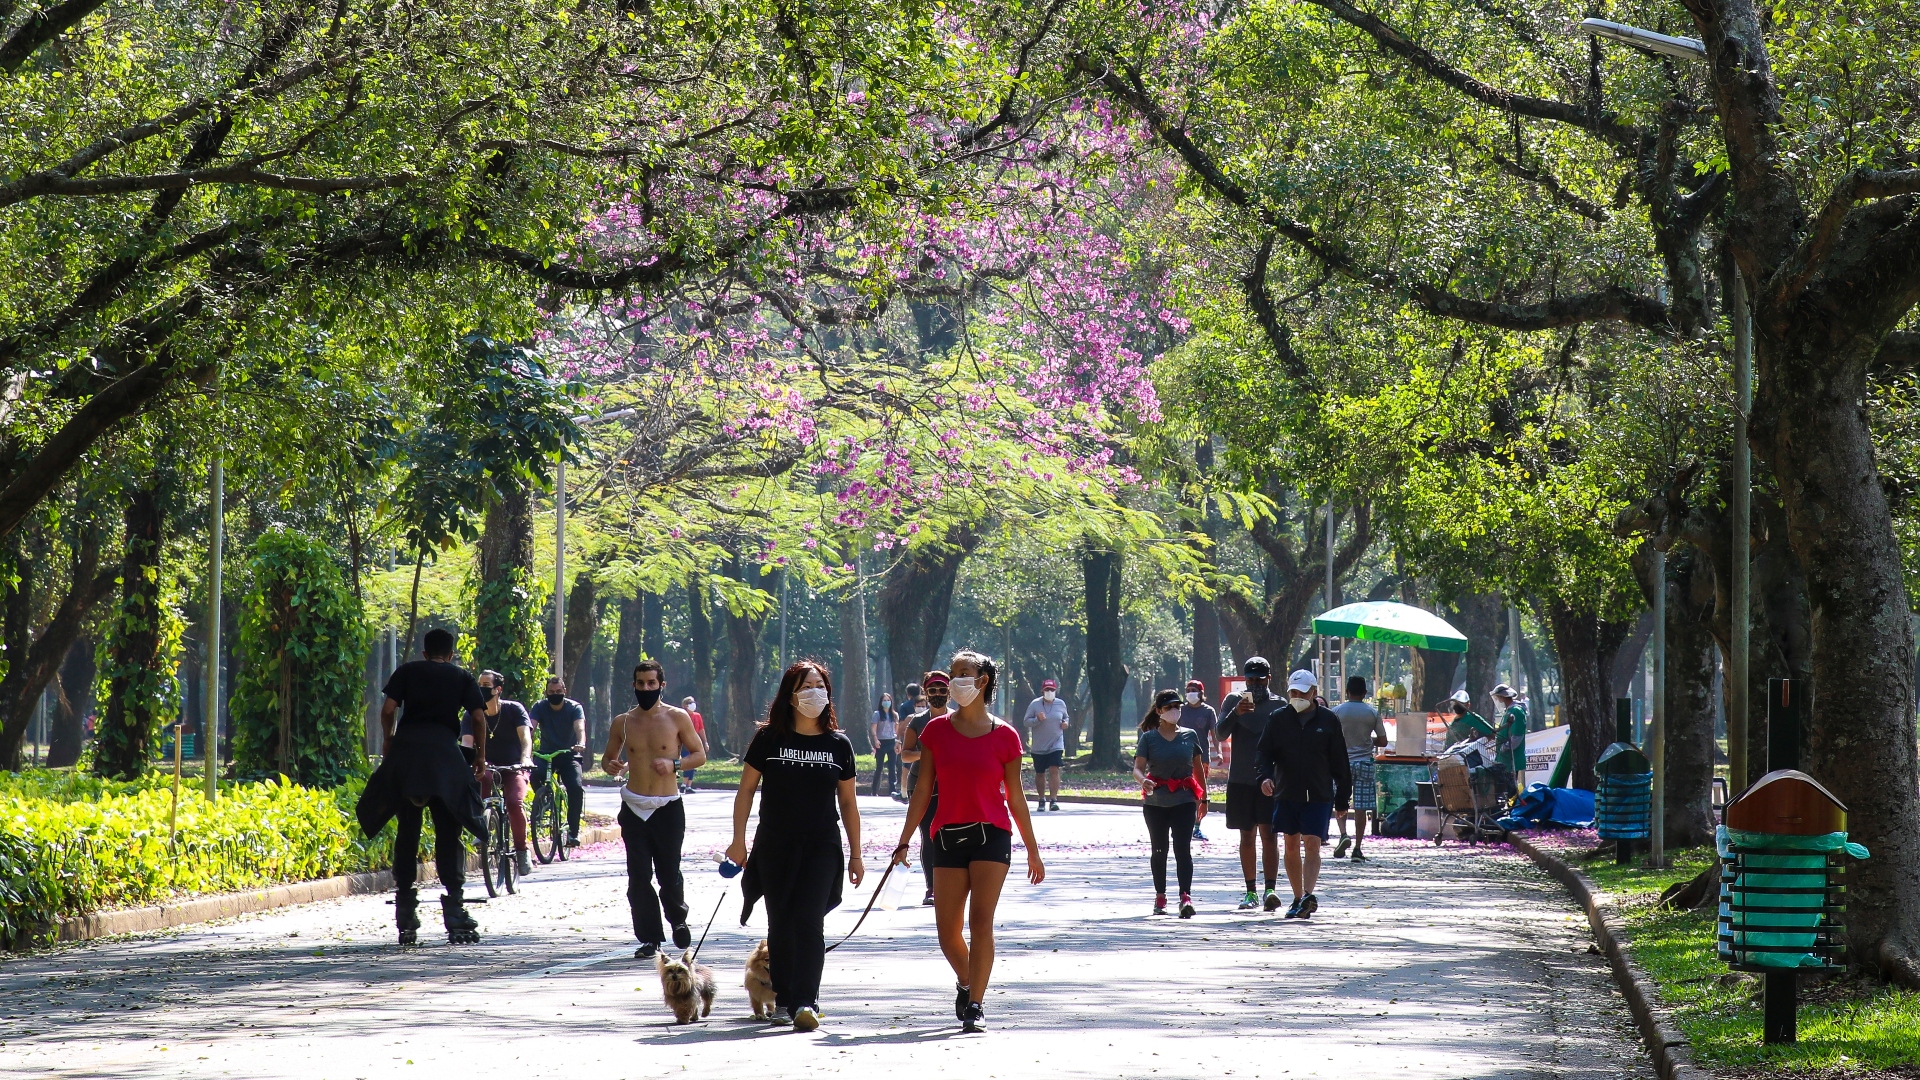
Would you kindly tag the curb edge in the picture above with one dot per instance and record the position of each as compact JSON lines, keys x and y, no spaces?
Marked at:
{"x":1672,"y":1054}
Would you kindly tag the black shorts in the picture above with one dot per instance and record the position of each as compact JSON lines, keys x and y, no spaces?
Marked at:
{"x":998,"y":848}
{"x":1247,"y":807}
{"x":1047,"y":759}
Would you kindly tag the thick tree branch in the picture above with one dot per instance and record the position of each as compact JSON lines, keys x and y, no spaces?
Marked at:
{"x":1602,"y":124}
{"x":1613,"y":303}
{"x":41,"y":27}
{"x":1858,"y":186}
{"x":1279,"y":337}
{"x":44,"y":184}
{"x":1898,"y":355}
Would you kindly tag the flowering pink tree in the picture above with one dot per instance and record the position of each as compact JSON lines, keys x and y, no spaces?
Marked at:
{"x":887,"y":374}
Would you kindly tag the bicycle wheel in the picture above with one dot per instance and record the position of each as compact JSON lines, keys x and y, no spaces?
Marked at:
{"x":559,"y":828}
{"x":540,"y":825}
{"x":486,"y":853}
{"x":505,"y":861}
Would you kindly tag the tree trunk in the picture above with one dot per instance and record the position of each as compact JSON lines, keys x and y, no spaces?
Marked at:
{"x":915,"y":600}
{"x":1206,"y":646}
{"x":582,"y":619}
{"x":600,"y":677}
{"x":127,"y":727}
{"x":74,"y":701}
{"x":1859,"y":725}
{"x":1689,"y":705}
{"x":1626,"y":659}
{"x":653,"y":626}
{"x":627,"y":647}
{"x":1434,"y":673}
{"x":1586,"y":644}
{"x":1296,"y":574}
{"x":1106,"y":671}
{"x":857,"y":700}
{"x":700,"y":636}
{"x":508,"y":641}
{"x":1780,"y":639}
{"x":1483,"y":618}
{"x":743,"y":712}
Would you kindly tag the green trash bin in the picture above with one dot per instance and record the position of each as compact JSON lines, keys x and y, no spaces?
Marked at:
{"x":1782,"y":899}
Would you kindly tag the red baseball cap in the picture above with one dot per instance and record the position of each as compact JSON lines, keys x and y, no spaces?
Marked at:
{"x":1049,"y":684}
{"x":933,"y":677}
{"x":1196,"y":684}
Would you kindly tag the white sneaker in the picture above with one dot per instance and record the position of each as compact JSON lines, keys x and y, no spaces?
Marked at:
{"x":805,"y":1019}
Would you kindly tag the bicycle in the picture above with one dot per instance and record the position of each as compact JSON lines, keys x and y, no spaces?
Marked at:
{"x":547,"y":817}
{"x":496,"y":856}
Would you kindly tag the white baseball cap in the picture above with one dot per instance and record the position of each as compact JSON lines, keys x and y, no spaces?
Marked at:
{"x":1302,"y":680}
{"x":1461,"y":697}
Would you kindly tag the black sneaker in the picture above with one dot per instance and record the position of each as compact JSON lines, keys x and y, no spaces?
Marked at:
{"x":1186,"y":906}
{"x":682,"y":935}
{"x":928,"y":902}
{"x":1340,"y":849}
{"x":646,"y":951}
{"x":1294,"y":911}
{"x":1308,"y":905}
{"x":1273,"y":900}
{"x":974,"y":1019}
{"x":962,"y":997}
{"x":1055,"y":804}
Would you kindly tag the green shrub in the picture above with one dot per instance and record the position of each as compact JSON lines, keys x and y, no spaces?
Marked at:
{"x":73,"y":844}
{"x":302,"y":629}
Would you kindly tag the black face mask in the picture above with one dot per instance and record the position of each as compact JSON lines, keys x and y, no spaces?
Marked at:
{"x":647,"y":699}
{"x":556,"y":700}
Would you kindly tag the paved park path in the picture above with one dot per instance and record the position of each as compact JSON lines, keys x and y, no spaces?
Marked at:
{"x":1422,"y":963}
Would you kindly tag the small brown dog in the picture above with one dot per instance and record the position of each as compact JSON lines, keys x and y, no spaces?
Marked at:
{"x":687,"y":986}
{"x":760,"y":983}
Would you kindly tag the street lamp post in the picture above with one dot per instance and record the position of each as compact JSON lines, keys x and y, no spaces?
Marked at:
{"x":210,"y":729}
{"x":560,"y":545}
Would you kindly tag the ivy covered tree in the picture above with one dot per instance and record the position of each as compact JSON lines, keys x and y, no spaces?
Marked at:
{"x":140,"y":650}
{"x":302,"y":647}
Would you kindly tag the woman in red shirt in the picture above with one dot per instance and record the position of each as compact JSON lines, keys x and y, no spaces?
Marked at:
{"x":973,"y":758}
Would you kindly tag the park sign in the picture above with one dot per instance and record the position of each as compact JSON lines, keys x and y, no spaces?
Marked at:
{"x":1391,"y":624}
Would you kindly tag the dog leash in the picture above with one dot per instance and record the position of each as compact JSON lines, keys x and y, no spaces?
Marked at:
{"x":710,"y":918}
{"x":877,"y":889}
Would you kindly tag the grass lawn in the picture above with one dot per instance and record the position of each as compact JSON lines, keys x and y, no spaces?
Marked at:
{"x":1847,"y":1026}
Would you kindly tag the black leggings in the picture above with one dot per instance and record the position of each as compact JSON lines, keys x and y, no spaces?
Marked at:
{"x":1173,"y":823}
{"x":799,"y":873}
{"x":449,"y":847}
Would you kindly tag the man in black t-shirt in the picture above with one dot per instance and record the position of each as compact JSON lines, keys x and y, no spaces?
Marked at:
{"x":563,"y":727}
{"x":422,"y":768}
{"x":509,"y":743}
{"x":934,"y":686}
{"x":1243,"y":719}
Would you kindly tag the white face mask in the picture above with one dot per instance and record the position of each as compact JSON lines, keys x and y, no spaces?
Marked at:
{"x":810,"y":702}
{"x":693,"y":706}
{"x":1300,"y":704}
{"x":1047,"y":695}
{"x":1193,"y":697}
{"x":1170,"y":716}
{"x":963,"y":690}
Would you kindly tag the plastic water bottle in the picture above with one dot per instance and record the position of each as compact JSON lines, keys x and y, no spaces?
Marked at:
{"x":728,"y":868}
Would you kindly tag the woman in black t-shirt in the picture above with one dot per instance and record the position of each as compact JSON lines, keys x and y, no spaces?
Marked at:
{"x":807,"y":768}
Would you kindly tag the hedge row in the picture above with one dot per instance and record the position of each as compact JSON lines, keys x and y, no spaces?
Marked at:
{"x":72,"y":844}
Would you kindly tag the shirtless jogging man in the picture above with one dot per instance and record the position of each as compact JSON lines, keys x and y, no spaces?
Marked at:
{"x":653,"y":822}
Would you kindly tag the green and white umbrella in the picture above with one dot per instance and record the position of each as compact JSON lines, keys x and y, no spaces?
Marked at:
{"x":1391,"y":624}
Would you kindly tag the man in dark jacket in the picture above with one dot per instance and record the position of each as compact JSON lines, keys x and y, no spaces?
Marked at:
{"x":1302,"y":763}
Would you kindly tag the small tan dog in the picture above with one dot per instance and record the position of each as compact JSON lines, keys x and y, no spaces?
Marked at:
{"x":687,"y":986}
{"x":760,"y":983}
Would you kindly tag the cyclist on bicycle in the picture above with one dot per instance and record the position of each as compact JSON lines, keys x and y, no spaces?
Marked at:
{"x":509,"y":743}
{"x":563,"y":727}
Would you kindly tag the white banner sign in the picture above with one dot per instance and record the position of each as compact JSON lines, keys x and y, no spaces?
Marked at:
{"x":1543,"y":753}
